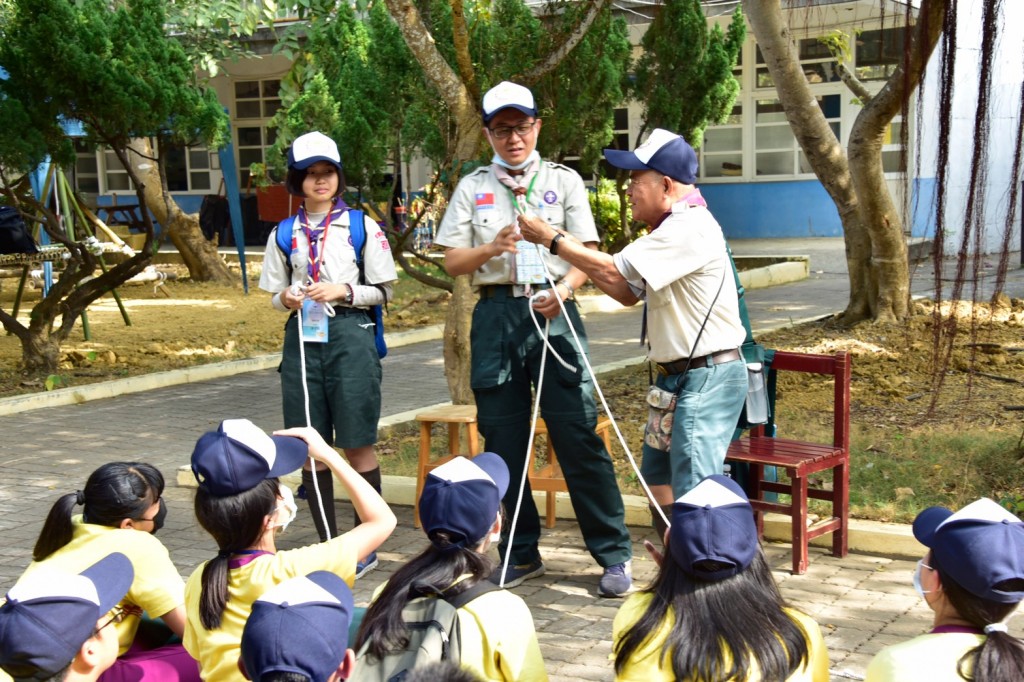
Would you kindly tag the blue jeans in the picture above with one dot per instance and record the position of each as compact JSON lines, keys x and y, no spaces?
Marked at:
{"x":707,"y":409}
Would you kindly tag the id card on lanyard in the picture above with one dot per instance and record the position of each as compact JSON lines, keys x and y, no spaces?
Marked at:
{"x":529,"y":265}
{"x":314,"y":313}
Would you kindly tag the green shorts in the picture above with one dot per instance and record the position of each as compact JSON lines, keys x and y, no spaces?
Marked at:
{"x":343,"y":378}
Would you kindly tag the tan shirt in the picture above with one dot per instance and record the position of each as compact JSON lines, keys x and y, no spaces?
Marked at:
{"x":677,"y":269}
{"x":481,"y":206}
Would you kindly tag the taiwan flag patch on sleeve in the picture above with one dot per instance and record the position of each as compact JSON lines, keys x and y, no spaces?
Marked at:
{"x":484,"y":201}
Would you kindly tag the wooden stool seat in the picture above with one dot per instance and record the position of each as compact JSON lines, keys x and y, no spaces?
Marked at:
{"x":548,"y":477}
{"x":456,"y":417}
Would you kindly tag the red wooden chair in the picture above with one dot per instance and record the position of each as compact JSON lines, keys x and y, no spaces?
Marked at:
{"x":800,"y":460}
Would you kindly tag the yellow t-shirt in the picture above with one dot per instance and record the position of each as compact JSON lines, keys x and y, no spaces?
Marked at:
{"x":218,"y":650}
{"x":932,"y":657}
{"x":157,"y":587}
{"x":499,"y":641}
{"x":645,"y":665}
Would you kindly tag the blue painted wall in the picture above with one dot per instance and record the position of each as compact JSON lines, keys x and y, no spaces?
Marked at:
{"x":799,"y":208}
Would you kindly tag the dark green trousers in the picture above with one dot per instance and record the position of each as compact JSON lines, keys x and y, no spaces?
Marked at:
{"x":506,"y":367}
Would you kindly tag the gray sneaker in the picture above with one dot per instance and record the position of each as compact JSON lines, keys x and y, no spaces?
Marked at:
{"x":518,"y":573}
{"x":616,"y":580}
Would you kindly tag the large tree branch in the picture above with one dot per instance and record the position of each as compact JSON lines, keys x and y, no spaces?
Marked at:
{"x":566,"y":45}
{"x":853,"y":83}
{"x":460,"y":39}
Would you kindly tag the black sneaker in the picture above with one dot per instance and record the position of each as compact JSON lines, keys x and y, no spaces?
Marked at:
{"x":518,"y":573}
{"x":616,"y":580}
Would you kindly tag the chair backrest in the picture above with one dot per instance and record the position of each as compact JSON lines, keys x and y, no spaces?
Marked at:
{"x":838,"y":366}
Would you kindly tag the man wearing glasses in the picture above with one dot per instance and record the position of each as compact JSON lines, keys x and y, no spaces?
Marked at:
{"x":681,"y":270}
{"x":55,"y":625}
{"x":479,"y":232}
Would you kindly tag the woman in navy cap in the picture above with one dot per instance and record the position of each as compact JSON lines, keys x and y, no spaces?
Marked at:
{"x":460,"y":509}
{"x":714,"y":596}
{"x":972,"y":578}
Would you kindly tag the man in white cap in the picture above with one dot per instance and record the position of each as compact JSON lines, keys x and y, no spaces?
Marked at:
{"x":479,"y":232}
{"x":681,"y":270}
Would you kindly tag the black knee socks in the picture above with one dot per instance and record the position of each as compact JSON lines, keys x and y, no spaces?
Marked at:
{"x":325,"y":483}
{"x":373,"y":478}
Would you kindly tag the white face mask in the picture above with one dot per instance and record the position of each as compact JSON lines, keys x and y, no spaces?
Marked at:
{"x":287,"y":504}
{"x":917,"y":579}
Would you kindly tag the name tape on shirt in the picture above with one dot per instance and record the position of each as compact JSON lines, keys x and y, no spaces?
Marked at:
{"x":383,"y":239}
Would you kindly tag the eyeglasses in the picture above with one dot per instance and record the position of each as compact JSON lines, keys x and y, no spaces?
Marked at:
{"x":117,"y":615}
{"x":522,"y":130}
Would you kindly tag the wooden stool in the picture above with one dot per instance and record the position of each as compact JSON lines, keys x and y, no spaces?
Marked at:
{"x":455,"y":416}
{"x":548,"y":477}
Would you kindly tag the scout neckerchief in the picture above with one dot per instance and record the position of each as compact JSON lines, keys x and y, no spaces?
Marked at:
{"x":314,"y":234}
{"x":693,"y":199}
{"x":520,"y":187}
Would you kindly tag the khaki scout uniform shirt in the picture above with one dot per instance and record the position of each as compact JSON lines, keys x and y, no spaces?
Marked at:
{"x":481,"y":206}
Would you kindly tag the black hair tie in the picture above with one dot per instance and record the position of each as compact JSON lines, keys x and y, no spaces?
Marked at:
{"x":79,"y":497}
{"x":224,"y":554}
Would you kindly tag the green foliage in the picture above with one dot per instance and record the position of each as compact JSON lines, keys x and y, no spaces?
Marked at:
{"x":110,"y":66}
{"x":684,"y":78}
{"x":838,"y":43}
{"x":55,"y":381}
{"x":580,"y":96}
{"x":604,"y":204}
{"x":210,"y":30}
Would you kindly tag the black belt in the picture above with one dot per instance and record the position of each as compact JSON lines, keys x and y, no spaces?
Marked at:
{"x":679,"y":366}
{"x":505,"y":290}
{"x":341,"y":310}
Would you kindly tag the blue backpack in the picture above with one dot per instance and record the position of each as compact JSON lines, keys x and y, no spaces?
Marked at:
{"x":358,"y":231}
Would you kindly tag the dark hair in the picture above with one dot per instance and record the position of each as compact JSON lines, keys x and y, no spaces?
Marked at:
{"x":296,"y":176}
{"x":1000,"y":658}
{"x":283,"y":676}
{"x":235,"y":522}
{"x":441,"y":671}
{"x":114,"y":492}
{"x":439,"y":566}
{"x":734,"y":622}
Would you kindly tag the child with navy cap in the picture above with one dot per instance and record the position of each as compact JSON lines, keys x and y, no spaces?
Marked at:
{"x":972,"y":577}
{"x":715,"y":596}
{"x":56,"y":625}
{"x":298,"y":630}
{"x":460,"y":509}
{"x":337,"y":360}
{"x":242,"y":504}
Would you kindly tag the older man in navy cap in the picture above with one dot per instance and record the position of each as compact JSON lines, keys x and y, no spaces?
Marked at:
{"x":681,"y":271}
{"x":479,"y":231}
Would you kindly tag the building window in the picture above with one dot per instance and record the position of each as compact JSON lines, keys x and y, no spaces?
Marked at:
{"x":116,"y":176}
{"x":256,"y":102}
{"x":87,"y":168}
{"x":878,"y":53}
{"x":188,"y":169}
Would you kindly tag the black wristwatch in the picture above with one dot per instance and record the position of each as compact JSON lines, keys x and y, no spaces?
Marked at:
{"x":554,"y":243}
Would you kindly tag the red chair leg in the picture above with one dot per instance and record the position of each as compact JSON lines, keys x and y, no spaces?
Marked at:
{"x":799,"y":516}
{"x":841,"y":508}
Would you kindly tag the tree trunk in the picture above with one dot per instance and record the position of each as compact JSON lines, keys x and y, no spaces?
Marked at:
{"x":199,"y":254}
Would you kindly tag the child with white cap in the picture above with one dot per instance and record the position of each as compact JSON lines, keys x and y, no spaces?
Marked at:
{"x":972,"y":577}
{"x":715,"y":596}
{"x":56,"y":625}
{"x":460,"y":509}
{"x":243,"y":505}
{"x":335,"y":288}
{"x":298,"y":631}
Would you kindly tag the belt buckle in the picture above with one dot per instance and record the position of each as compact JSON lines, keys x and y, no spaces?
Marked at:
{"x":661,"y":369}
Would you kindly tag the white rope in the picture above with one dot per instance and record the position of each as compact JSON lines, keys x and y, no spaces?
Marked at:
{"x":296,"y":289}
{"x":536,"y":405}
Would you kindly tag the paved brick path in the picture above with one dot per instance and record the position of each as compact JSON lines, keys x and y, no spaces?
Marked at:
{"x":863,"y":603}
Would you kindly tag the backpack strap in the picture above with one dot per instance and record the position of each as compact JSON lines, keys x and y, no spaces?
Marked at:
{"x":462,"y":598}
{"x":284,"y":236}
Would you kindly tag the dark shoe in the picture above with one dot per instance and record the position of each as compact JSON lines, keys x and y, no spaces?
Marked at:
{"x":616,"y":580}
{"x":366,"y":565}
{"x":517,"y":574}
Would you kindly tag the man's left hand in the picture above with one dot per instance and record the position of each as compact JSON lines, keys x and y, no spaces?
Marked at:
{"x":548,"y":306}
{"x":535,"y":230}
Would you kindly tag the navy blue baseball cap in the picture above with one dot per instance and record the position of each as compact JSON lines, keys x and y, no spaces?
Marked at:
{"x":49,"y":614}
{"x":979,"y":547}
{"x":463,"y":496}
{"x":239,"y":454}
{"x":508,"y":95}
{"x":312,"y":147}
{"x":663,"y":151}
{"x":713,"y":522}
{"x":299,"y":626}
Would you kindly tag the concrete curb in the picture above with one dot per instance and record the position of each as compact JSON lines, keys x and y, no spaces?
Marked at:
{"x":866,"y":537}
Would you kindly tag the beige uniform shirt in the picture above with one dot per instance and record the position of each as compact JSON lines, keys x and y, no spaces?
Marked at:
{"x":481,"y":206}
{"x":677,"y":269}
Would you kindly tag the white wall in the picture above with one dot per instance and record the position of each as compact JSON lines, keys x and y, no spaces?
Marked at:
{"x":1005,"y":111}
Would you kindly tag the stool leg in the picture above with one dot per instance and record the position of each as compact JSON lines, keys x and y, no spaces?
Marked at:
{"x":474,"y":439}
{"x":421,"y":469}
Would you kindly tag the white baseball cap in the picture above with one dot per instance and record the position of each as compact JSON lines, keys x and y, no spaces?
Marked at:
{"x":312,"y":147}
{"x":508,"y":95}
